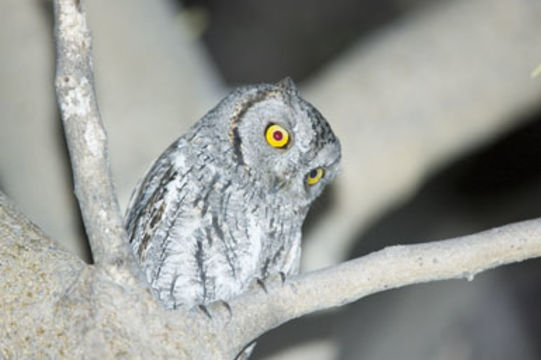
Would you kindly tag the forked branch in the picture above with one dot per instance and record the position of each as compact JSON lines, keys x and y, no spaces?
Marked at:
{"x":87,"y":140}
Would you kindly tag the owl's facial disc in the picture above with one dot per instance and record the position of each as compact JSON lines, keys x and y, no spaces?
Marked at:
{"x":298,"y":170}
{"x":288,"y":146}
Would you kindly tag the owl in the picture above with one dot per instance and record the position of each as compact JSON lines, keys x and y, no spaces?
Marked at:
{"x":224,"y":204}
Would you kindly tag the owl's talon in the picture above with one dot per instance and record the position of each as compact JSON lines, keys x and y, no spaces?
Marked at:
{"x":227,"y":307}
{"x":261,"y":283}
{"x":216,"y":307}
{"x":205,"y":310}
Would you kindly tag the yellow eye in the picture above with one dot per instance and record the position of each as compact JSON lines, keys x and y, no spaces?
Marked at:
{"x":277,"y":136}
{"x":314,"y":176}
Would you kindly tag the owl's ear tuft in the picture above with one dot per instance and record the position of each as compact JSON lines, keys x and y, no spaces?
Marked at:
{"x":288,"y":86}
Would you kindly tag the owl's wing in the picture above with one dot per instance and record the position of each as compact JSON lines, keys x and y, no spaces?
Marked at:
{"x":156,"y":200}
{"x":173,"y":221}
{"x":139,"y":200}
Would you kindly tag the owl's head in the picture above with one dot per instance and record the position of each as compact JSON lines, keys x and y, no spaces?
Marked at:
{"x":281,"y":141}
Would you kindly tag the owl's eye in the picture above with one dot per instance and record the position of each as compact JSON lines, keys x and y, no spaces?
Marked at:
{"x":277,"y":136}
{"x":314,"y":176}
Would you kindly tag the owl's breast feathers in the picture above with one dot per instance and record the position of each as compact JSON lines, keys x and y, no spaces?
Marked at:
{"x":200,"y":235}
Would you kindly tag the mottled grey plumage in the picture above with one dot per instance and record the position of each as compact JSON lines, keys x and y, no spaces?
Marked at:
{"x":221,"y":206}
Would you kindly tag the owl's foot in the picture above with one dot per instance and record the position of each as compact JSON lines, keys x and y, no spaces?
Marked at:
{"x":261,"y":283}
{"x":205,"y":311}
{"x":281,"y":277}
{"x":214,"y":307}
{"x":225,"y":304}
{"x":257,"y":284}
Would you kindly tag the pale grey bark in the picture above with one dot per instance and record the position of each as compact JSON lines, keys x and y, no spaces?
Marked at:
{"x":69,"y":309}
{"x":87,"y":141}
{"x":395,"y":266}
{"x":56,"y":306}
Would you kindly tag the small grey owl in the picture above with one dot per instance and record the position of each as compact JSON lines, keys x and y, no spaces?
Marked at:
{"x":224,"y":204}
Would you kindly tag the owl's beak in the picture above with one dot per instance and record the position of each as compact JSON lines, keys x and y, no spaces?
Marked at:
{"x":281,"y":182}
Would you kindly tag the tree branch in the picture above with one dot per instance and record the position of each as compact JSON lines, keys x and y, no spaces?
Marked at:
{"x":74,"y":298}
{"x":256,"y":312}
{"x":87,"y":140}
